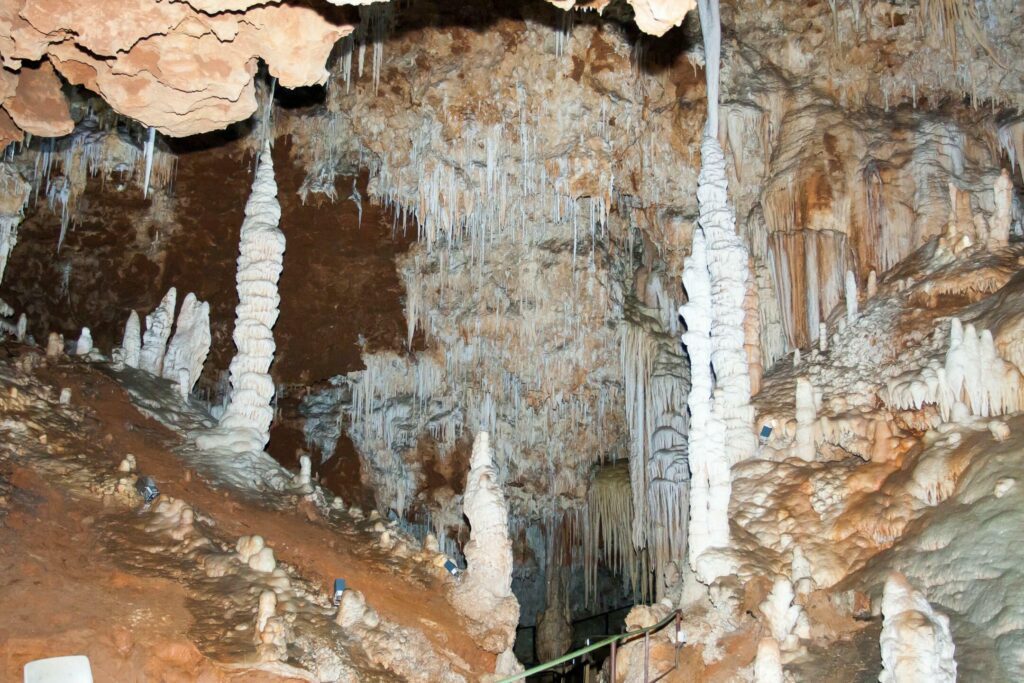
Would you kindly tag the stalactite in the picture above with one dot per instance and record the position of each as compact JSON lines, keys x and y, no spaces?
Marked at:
{"x":608,"y":532}
{"x":656,"y":385}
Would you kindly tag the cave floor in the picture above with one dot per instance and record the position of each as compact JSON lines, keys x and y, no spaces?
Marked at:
{"x":77,"y":575}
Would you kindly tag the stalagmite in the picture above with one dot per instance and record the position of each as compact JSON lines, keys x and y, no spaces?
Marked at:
{"x":999,"y":228}
{"x":786,"y":620}
{"x":768,"y":662}
{"x":726,"y":436}
{"x":917,"y":646}
{"x":851,"y":296}
{"x":54,"y":345}
{"x":702,"y":435}
{"x":715,"y":278}
{"x":822,"y":337}
{"x":872,"y":284}
{"x":14,"y":194}
{"x":158,"y":331}
{"x":131,"y":343}
{"x":806,"y":420}
{"x":485,"y":595}
{"x":84,"y":344}
{"x":190,"y":344}
{"x":245,"y":424}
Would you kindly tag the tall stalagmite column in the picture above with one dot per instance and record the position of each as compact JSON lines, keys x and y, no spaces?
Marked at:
{"x":720,"y":275}
{"x":245,"y":424}
{"x":485,"y":594}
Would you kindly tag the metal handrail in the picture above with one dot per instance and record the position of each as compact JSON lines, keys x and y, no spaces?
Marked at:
{"x":613,"y":641}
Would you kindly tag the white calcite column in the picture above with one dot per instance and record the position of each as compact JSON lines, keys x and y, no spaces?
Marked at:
{"x":917,"y":646}
{"x":190,"y":344}
{"x":245,"y":424}
{"x":696,"y":313}
{"x":485,"y":595}
{"x":851,"y":296}
{"x":131,"y":343}
{"x":84,"y":344}
{"x":158,"y":331}
{"x":999,"y":232}
{"x":718,"y":273}
{"x":806,"y":419}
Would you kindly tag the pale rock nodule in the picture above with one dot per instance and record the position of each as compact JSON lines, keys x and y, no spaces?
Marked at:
{"x":916,"y":643}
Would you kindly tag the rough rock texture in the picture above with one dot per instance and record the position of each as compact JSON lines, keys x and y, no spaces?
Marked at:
{"x":180,"y":68}
{"x":184,"y":67}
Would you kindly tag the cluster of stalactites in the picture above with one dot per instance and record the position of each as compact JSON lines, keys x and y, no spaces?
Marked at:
{"x":607,"y":534}
{"x":656,"y":382}
{"x":245,"y":424}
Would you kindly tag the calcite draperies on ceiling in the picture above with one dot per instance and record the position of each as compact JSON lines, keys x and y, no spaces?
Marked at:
{"x":181,"y":67}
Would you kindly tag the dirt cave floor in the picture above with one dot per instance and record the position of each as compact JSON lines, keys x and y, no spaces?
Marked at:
{"x":79,"y":574}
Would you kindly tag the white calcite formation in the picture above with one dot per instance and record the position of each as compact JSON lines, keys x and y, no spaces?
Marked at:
{"x":14,"y":193}
{"x":806,"y":420}
{"x":719,"y":276}
{"x":158,"y":331}
{"x":973,"y":377}
{"x":705,"y":435}
{"x":786,"y":620}
{"x":245,"y":424}
{"x":851,"y":296}
{"x":768,"y":662}
{"x":917,"y":646}
{"x":131,"y":343}
{"x":999,"y":228}
{"x":55,"y":345}
{"x":656,"y":382}
{"x":485,"y":594}
{"x":190,"y":344}
{"x":84,"y":344}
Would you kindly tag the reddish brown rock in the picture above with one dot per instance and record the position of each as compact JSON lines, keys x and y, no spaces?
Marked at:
{"x":38,"y":105}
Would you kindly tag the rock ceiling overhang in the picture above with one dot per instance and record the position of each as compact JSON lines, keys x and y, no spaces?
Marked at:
{"x":181,"y":67}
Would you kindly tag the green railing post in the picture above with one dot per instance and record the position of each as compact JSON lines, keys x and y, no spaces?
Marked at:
{"x":613,"y":641}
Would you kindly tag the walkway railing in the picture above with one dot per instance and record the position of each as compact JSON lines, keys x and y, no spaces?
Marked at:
{"x":614,"y":642}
